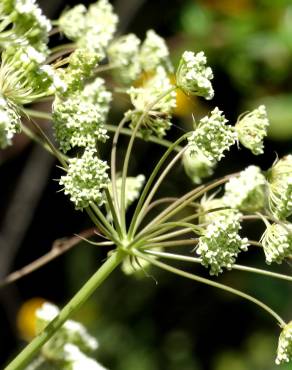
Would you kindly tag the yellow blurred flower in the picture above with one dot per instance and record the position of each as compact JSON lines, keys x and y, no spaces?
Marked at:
{"x":26,"y":319}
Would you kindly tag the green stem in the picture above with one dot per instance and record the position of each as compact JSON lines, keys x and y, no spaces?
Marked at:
{"x":179,"y":257}
{"x":72,"y":306}
{"x":113,"y":213}
{"x":151,"y":138}
{"x":38,"y":114}
{"x":140,"y":209}
{"x":113,"y":166}
{"x":129,"y":150}
{"x":209,"y":282}
{"x":185,"y":200}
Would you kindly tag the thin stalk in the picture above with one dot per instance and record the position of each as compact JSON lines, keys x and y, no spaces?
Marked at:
{"x":185,"y":200}
{"x":71,"y":307}
{"x":101,"y":227}
{"x":173,"y":234}
{"x":151,"y":138}
{"x":129,"y":150}
{"x":113,"y":213}
{"x":166,"y":200}
{"x":113,"y":165}
{"x":140,"y":208}
{"x":211,"y":283}
{"x":38,"y":114}
{"x":105,"y":222}
{"x":169,"y":244}
{"x":180,"y":257}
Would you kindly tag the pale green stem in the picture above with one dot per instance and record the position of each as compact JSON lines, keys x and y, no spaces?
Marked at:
{"x":179,"y":257}
{"x":166,"y":200}
{"x":169,"y":244}
{"x":151,"y":138}
{"x":38,"y":114}
{"x":140,"y":209}
{"x":173,"y":234}
{"x":113,"y":213}
{"x":209,"y":282}
{"x":105,"y":222}
{"x":24,"y":358}
{"x":185,"y":200}
{"x":113,"y":166}
{"x":129,"y":150}
{"x":100,"y":226}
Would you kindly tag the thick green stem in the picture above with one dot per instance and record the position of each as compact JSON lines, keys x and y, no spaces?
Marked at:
{"x":211,"y":283}
{"x":72,"y":306}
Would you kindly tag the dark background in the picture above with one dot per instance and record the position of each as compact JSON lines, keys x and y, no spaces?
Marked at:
{"x":176,"y":323}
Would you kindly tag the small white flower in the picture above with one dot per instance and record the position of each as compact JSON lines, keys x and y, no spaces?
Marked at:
{"x":197,"y":166}
{"x":73,"y":22}
{"x":154,"y":52}
{"x":158,"y":118}
{"x":246,"y":192}
{"x":252,"y":129}
{"x":280,"y":187}
{"x":221,"y":243}
{"x":123,"y":55}
{"x":10,"y":122}
{"x":212,"y":137}
{"x":277,"y":242}
{"x":284,"y":352}
{"x":193,"y":77}
{"x":86,"y":179}
{"x":76,"y":360}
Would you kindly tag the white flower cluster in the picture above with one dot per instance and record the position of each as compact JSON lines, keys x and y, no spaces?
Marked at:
{"x":9,"y":122}
{"x":68,"y":348}
{"x":277,"y":242}
{"x":86,"y":179}
{"x":77,"y":123}
{"x":80,"y":67}
{"x":252,"y":129}
{"x":197,"y":166}
{"x":157,"y":119}
{"x":221,"y":243}
{"x":24,"y":24}
{"x":193,"y":77}
{"x":129,"y":59}
{"x":154,"y":52}
{"x":123,"y":54}
{"x":92,"y":29}
{"x":246,"y":192}
{"x":284,"y":352}
{"x":73,"y":22}
{"x":212,"y":136}
{"x":280,"y":187}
